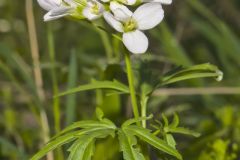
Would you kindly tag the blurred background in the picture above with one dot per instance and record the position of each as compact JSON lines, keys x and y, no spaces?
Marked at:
{"x":70,"y":53}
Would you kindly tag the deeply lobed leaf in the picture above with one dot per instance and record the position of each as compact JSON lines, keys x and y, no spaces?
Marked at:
{"x":99,"y":132}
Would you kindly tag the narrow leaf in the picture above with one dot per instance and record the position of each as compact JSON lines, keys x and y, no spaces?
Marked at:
{"x":78,"y":148}
{"x":54,"y":144}
{"x":115,"y":85}
{"x":175,"y":121}
{"x":186,"y":131}
{"x":153,"y":140}
{"x":197,"y":71}
{"x":89,"y":151}
{"x":82,"y":149}
{"x":61,"y":140}
{"x":107,"y":124}
{"x":135,"y":120}
{"x":170,"y":140}
{"x":165,"y":120}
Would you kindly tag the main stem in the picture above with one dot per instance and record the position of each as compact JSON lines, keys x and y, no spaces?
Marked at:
{"x":131,"y":85}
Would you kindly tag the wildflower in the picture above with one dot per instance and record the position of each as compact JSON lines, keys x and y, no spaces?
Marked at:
{"x":131,"y":25}
{"x":56,"y":8}
{"x":93,"y":10}
{"x":79,"y":9}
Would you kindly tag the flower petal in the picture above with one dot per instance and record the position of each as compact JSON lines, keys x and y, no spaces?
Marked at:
{"x":57,"y":13}
{"x":148,"y":15}
{"x":113,"y":22}
{"x":135,"y":41}
{"x":130,"y":2}
{"x":121,"y":12}
{"x":72,"y":3}
{"x":89,"y":14}
{"x":164,"y":1}
{"x":160,"y":1}
{"x":127,"y":2}
{"x":49,"y":4}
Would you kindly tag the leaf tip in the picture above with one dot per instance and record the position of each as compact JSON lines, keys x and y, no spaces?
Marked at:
{"x":219,"y":75}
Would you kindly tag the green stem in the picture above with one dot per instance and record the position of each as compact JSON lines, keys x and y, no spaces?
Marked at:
{"x":144,"y":109}
{"x":131,"y":85}
{"x":56,"y":101}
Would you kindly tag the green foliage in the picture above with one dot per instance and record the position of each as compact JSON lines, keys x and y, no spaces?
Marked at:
{"x":114,"y":85}
{"x":83,"y":148}
{"x":128,"y":144}
{"x":85,"y":133}
{"x":146,"y":136}
{"x":197,"y":71}
{"x":166,"y":130}
{"x":218,"y":150}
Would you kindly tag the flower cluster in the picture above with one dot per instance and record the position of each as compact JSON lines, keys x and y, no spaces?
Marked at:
{"x":148,"y":14}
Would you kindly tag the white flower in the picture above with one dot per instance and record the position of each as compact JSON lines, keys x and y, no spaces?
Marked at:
{"x":56,"y":8}
{"x":127,"y":2}
{"x":131,"y":24}
{"x":93,"y":10}
{"x":159,"y":1}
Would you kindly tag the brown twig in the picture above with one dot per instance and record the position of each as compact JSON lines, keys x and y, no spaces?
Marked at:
{"x":37,"y":70}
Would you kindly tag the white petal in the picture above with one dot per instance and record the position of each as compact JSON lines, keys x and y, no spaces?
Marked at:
{"x":121,"y":12}
{"x":127,"y":2}
{"x":113,"y":22}
{"x":87,"y":11}
{"x":164,"y":1}
{"x":148,"y":15}
{"x":72,"y":3}
{"x":135,"y":41}
{"x":160,"y":1}
{"x":130,"y":2}
{"x":49,"y":4}
{"x":89,"y":15}
{"x":48,"y":17}
{"x":57,"y":13}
